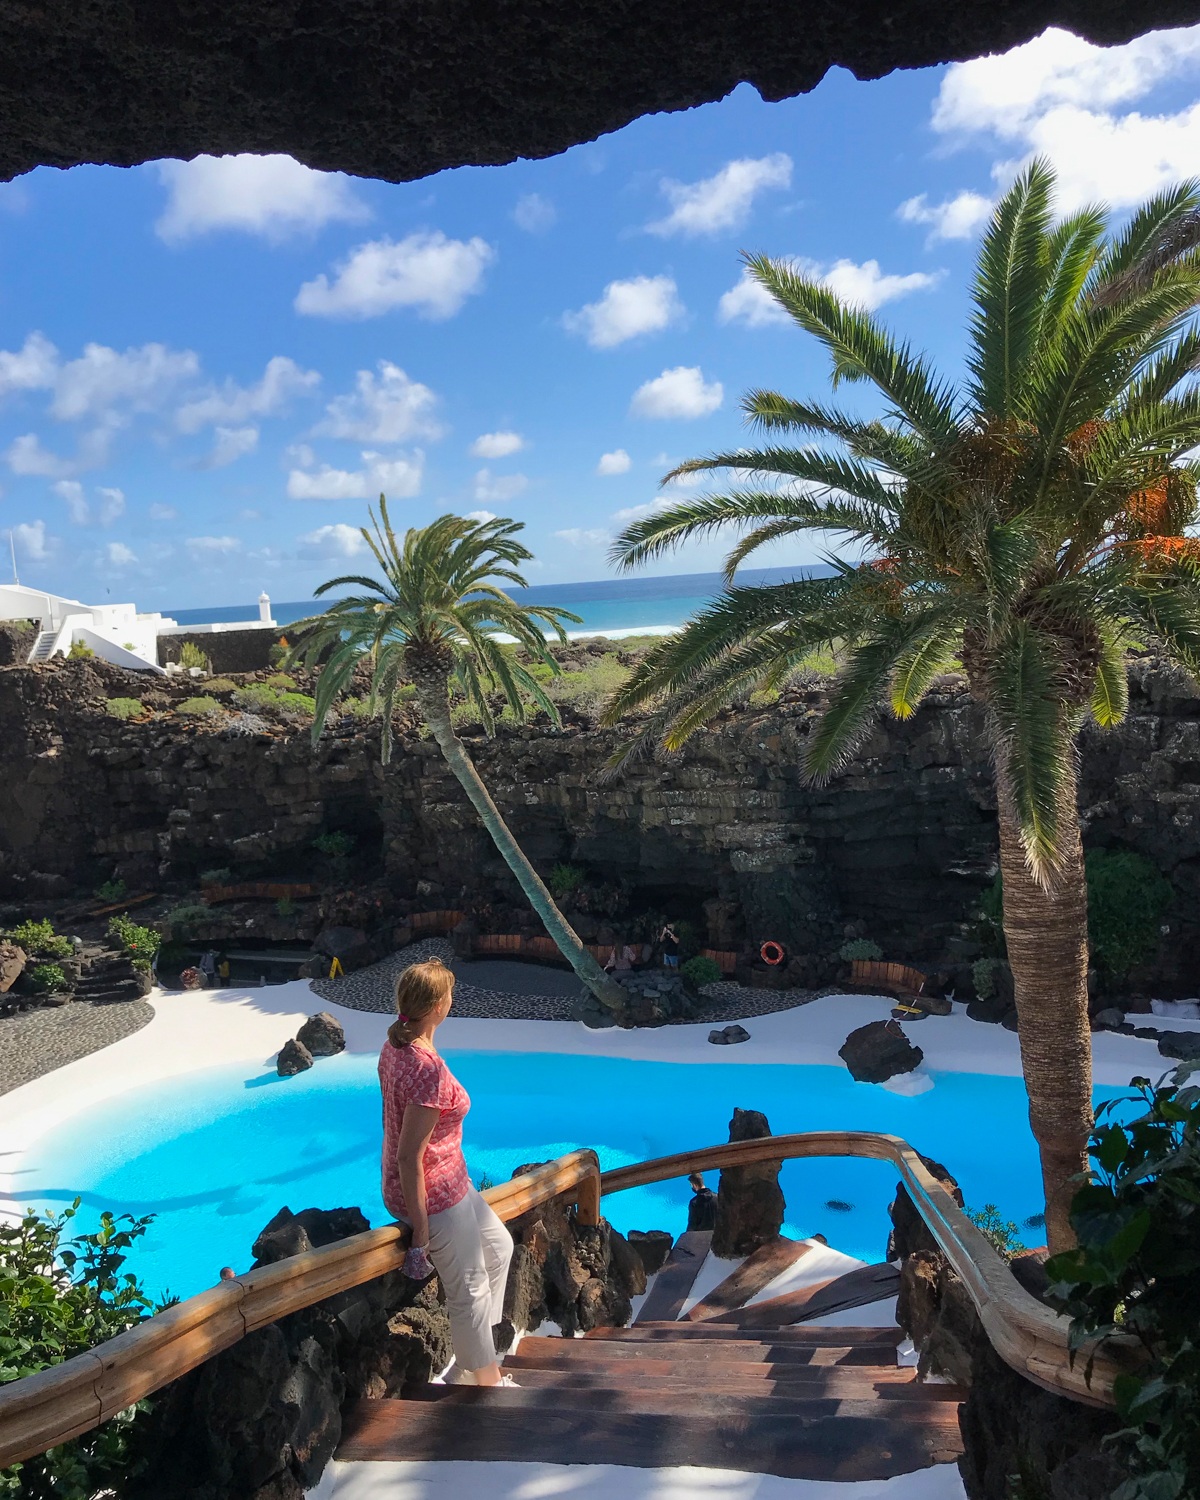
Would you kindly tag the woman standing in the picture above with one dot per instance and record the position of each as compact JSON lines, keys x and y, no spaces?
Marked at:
{"x":425,"y":1182}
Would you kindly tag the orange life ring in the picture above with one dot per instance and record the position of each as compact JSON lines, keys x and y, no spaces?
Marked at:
{"x":772,"y":953}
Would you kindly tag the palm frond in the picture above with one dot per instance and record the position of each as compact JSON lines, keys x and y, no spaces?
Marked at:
{"x":1110,"y":696}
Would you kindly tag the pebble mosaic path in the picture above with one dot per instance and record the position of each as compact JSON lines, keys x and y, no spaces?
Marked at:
{"x":504,"y":990}
{"x":34,"y":1042}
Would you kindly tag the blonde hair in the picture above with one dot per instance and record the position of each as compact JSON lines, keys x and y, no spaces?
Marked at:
{"x":419,"y":992}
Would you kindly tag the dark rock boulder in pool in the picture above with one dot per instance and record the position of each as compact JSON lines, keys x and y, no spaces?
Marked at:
{"x":322,"y":1034}
{"x":879,"y":1051}
{"x":294,"y":1057}
{"x":750,"y":1202}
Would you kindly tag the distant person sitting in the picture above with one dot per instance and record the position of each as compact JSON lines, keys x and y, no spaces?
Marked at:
{"x":702,"y":1210}
{"x":621,"y":959}
{"x":670,"y":947}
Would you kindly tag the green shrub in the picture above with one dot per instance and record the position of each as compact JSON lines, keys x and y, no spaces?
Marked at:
{"x":80,"y":652}
{"x":565,"y":880}
{"x":261,"y":698}
{"x":125,"y":708}
{"x":111,"y":890}
{"x":689,"y":938}
{"x":40,"y":939}
{"x":47,"y":979}
{"x":1136,"y":1270}
{"x":985,"y":972}
{"x":142,"y":965}
{"x":198,"y":708}
{"x":700,"y":971}
{"x":140,"y":942}
{"x":1127,"y":900}
{"x":62,"y":1297}
{"x":223,"y":876}
{"x":1003,"y":1234}
{"x":190,"y":655}
{"x":281,"y":680}
{"x":860,"y":948}
{"x":285,"y":907}
{"x":337,"y":843}
{"x":221,"y":685}
{"x":183,"y":918}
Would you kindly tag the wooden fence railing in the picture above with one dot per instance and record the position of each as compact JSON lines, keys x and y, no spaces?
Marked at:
{"x":68,"y":1399}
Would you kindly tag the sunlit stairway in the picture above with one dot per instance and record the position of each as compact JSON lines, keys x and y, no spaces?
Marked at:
{"x":728,"y":1386}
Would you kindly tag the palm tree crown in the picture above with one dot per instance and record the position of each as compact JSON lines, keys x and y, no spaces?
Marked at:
{"x":1027,"y":522}
{"x":434,"y":617}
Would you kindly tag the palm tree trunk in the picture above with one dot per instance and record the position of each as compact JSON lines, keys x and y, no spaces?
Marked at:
{"x":588,"y":971}
{"x":1046,"y":933}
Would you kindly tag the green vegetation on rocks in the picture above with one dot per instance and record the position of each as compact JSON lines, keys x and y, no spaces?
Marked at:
{"x":701,"y":971}
{"x":190,"y":656}
{"x":47,"y":979}
{"x":1127,"y":901}
{"x":862,"y":949}
{"x":40,"y":940}
{"x":125,"y":708}
{"x":1003,"y":1235}
{"x":198,"y":708}
{"x":138,"y":941}
{"x":565,"y":880}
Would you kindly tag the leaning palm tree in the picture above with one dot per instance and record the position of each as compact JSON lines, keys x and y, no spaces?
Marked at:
{"x":1025,"y":523}
{"x":433,"y":619}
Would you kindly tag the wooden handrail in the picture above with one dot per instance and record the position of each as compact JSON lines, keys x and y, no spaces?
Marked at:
{"x":71,"y":1398}
{"x":1027,"y":1335}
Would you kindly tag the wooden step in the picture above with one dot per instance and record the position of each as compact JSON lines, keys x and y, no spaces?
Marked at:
{"x":591,"y":1353}
{"x":670,"y":1288}
{"x":840,"y":1441}
{"x":800,"y":1334}
{"x":856,"y":1288}
{"x":754,"y":1275}
{"x":689,"y":1402}
{"x":794,"y":1380}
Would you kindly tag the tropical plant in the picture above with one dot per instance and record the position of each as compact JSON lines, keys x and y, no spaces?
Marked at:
{"x":1134,"y":1272}
{"x":39,"y":938}
{"x":1003,"y":1234}
{"x":565,"y":880}
{"x":985,"y":974}
{"x":1023,"y":523}
{"x":433,"y":617}
{"x":110,"y":890}
{"x":1128,"y":898}
{"x":860,"y":949}
{"x":47,"y":979}
{"x":700,"y":971}
{"x":336,"y":843}
{"x":80,"y":651}
{"x":137,"y":941}
{"x":62,"y":1297}
{"x":190,"y":655}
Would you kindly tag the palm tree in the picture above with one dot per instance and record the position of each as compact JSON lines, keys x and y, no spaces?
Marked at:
{"x":433,"y":619}
{"x":1025,"y":523}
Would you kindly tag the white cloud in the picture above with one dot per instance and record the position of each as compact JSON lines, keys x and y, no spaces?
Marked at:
{"x":681,"y":393}
{"x":32,"y":542}
{"x":231,"y":444}
{"x":231,"y":404}
{"x":534,"y":214}
{"x":30,"y":368}
{"x":482,"y":516}
{"x":644,"y":304}
{"x":25,"y":455}
{"x":332,"y":542}
{"x":118,"y":555}
{"x":389,"y":408}
{"x":70,"y":492}
{"x":425,"y":271}
{"x":112,"y":505}
{"x":866,"y":285}
{"x":1068,"y":99}
{"x":616,"y":462}
{"x":102,"y":378}
{"x":497,"y":488}
{"x":578,"y":536}
{"x":160,"y":512}
{"x":212,"y":548}
{"x":397,"y":478}
{"x":956,"y":218}
{"x":724,"y":200}
{"x":497,"y":445}
{"x":271,"y":196}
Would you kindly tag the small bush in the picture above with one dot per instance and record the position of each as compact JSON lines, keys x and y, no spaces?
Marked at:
{"x":221,"y":685}
{"x":62,"y":1297}
{"x":198,"y":708}
{"x":223,"y":876}
{"x":1003,"y":1234}
{"x":47,"y":979}
{"x":281,"y":680}
{"x":285,"y":907}
{"x":985,"y":972}
{"x":183,"y":918}
{"x":700,"y":971}
{"x":40,"y":939}
{"x":140,"y":942}
{"x":111,"y":890}
{"x":1127,"y":900}
{"x":142,"y":965}
{"x":190,"y":655}
{"x":261,"y":698}
{"x":80,"y":652}
{"x":689,"y":938}
{"x":337,"y":844}
{"x":860,"y":948}
{"x":125,"y":708}
{"x":565,"y":880}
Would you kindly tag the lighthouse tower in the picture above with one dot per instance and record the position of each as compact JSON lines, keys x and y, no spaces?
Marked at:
{"x":264,"y":608}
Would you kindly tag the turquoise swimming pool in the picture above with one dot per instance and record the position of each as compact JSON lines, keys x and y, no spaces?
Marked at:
{"x":215,"y":1154}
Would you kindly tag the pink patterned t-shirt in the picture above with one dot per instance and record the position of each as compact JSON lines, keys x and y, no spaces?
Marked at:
{"x":415,"y":1075}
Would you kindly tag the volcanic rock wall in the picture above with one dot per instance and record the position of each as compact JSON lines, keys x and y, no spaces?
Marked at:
{"x":903,"y":841}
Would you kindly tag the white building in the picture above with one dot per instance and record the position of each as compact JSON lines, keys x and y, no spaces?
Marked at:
{"x":116,"y":632}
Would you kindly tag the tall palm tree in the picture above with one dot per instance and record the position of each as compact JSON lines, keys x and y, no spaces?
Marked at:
{"x":1026,"y":522}
{"x":432,"y":619}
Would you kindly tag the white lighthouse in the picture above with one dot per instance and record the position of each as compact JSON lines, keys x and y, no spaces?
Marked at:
{"x":264,"y":608}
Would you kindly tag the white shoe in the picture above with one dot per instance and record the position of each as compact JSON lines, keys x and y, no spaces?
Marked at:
{"x":509,"y":1381}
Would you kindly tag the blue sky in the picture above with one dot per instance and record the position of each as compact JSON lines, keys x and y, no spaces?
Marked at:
{"x":208,"y":369}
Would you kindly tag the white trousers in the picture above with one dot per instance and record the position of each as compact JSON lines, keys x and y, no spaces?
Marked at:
{"x":470,"y":1249}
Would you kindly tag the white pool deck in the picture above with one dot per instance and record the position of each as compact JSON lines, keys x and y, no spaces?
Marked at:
{"x":210,"y":1028}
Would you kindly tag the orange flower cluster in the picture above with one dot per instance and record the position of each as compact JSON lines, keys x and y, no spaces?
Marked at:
{"x":1162,"y":551}
{"x":1149,"y":509}
{"x":1083,"y":439}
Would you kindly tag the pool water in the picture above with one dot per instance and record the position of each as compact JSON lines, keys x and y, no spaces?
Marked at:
{"x":216,"y":1154}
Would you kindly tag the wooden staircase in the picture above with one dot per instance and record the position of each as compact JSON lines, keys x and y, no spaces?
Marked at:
{"x":726,"y":1387}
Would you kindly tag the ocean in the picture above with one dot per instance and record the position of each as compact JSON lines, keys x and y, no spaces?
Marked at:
{"x":609,"y":606}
